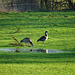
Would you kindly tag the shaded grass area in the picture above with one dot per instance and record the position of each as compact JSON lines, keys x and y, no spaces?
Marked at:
{"x":26,"y":58}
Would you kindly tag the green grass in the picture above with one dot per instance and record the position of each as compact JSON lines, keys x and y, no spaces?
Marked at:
{"x":61,"y":28}
{"x":33,"y":25}
{"x":37,"y":64}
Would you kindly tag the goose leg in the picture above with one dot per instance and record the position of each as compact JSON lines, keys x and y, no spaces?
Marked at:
{"x":43,"y":42}
{"x":26,"y":44}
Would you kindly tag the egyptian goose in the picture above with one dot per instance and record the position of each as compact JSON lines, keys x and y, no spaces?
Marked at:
{"x":43,"y":38}
{"x":27,"y":40}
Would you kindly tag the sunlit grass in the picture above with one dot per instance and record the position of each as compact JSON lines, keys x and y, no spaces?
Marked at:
{"x":60,"y":25}
{"x":61,"y":28}
{"x":32,"y":69}
{"x":34,"y":63}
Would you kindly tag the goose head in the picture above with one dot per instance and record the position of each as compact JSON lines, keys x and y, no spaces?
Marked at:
{"x":46,"y":33}
{"x":31,"y":43}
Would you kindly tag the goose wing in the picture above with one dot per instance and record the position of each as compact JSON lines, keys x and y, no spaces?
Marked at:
{"x":26,"y":40}
{"x":43,"y":38}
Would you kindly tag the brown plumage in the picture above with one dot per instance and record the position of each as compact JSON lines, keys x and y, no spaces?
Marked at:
{"x":27,"y":40}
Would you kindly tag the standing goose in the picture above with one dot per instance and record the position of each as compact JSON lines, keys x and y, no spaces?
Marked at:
{"x":27,"y":40}
{"x":43,"y":38}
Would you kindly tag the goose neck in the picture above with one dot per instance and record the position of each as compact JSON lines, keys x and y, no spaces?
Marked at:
{"x":45,"y":34}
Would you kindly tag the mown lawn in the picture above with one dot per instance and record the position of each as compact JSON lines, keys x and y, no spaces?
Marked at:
{"x":37,"y":64}
{"x":60,"y":25}
{"x":61,"y":28}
